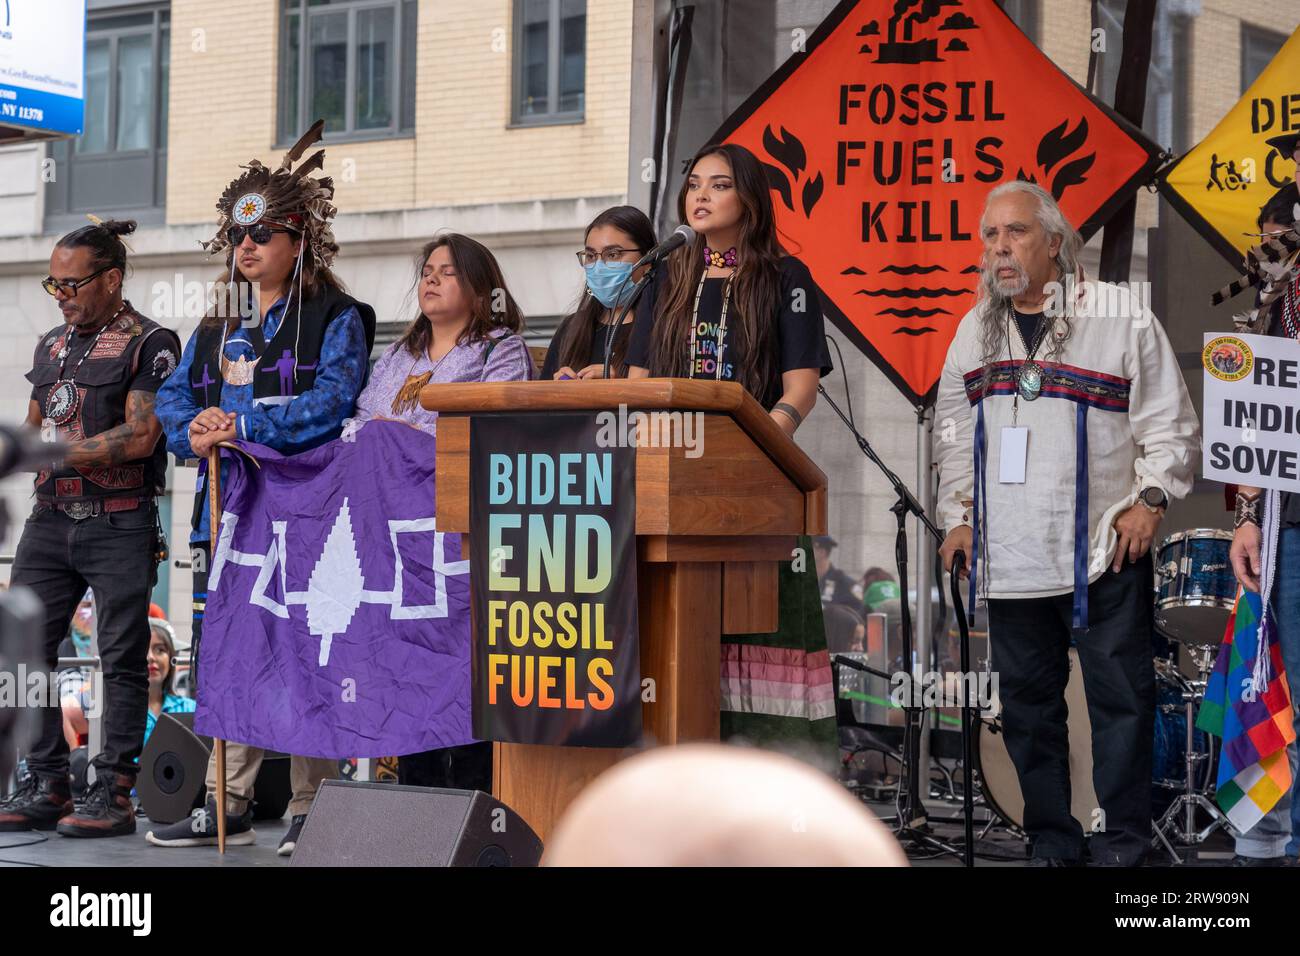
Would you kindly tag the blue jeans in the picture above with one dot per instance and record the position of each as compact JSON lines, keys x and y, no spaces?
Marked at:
{"x":1279,"y":830}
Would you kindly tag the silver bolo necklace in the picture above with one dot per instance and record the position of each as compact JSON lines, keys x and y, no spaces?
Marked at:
{"x":63,"y":399}
{"x":1029,"y":380}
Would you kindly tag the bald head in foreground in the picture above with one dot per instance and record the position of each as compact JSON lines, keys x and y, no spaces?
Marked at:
{"x":712,"y":805}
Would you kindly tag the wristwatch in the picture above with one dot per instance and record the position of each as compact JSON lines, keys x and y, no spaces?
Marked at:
{"x":1154,"y":499}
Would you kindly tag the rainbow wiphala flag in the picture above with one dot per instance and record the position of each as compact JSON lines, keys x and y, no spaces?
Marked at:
{"x":1256,"y":728}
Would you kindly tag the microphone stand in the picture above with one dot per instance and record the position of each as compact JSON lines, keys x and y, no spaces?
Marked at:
{"x":620,"y":314}
{"x":652,"y":260}
{"x":913,"y":824}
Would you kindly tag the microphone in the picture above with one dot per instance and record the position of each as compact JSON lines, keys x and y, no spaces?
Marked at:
{"x":680,"y":237}
{"x":24,"y":449}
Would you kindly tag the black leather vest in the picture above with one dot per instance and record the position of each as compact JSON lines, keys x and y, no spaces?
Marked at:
{"x":102,"y":382}
{"x":276,"y":377}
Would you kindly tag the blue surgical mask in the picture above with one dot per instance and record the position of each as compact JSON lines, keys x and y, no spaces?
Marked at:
{"x":604,"y":280}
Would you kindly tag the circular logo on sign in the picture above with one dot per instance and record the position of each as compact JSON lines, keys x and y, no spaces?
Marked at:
{"x":1228,"y":358}
{"x":248,"y":209}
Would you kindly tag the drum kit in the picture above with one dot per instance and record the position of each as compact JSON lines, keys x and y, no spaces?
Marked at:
{"x":1195,"y":590}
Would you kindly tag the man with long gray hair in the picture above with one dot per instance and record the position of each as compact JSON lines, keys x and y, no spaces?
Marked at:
{"x":1068,"y":430}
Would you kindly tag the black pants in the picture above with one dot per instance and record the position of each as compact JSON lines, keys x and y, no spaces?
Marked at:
{"x":113,"y":554}
{"x":468,"y":767}
{"x":200,"y":558}
{"x":1031,"y":641}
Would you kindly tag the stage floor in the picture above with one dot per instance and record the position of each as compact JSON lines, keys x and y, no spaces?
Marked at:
{"x":132,"y":850}
{"x":999,"y":848}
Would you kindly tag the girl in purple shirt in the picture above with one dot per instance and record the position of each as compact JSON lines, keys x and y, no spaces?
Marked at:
{"x":468,"y":330}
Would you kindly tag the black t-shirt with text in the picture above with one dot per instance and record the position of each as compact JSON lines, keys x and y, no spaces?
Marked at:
{"x":800,"y":334}
{"x":595,"y":357}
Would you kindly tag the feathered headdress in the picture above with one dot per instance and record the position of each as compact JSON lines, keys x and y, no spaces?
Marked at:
{"x":284,"y":196}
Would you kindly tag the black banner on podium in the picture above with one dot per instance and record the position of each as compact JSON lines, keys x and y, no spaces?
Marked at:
{"x":553,"y":580}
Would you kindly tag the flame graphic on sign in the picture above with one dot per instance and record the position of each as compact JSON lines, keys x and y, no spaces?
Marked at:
{"x":334,"y":590}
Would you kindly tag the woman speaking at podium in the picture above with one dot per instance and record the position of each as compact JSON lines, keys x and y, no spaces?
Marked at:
{"x":732,"y":306}
{"x":612,"y":244}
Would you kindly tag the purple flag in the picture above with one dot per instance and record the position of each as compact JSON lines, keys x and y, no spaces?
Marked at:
{"x":337,"y":620}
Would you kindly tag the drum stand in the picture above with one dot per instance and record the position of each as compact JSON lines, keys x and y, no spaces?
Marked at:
{"x":1179,"y":821}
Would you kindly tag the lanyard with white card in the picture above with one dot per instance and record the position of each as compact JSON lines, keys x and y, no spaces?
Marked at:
{"x":1013,"y":454}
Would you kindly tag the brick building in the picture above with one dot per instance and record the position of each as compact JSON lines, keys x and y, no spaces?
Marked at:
{"x":515,"y":121}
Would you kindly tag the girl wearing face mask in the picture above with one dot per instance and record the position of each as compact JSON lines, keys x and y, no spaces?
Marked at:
{"x":614,"y":241}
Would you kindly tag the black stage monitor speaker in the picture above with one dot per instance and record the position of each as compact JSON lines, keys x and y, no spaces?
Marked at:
{"x":172,"y":770}
{"x":384,"y":824}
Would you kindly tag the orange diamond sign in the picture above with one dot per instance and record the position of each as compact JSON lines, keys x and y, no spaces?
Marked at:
{"x":884,"y":137}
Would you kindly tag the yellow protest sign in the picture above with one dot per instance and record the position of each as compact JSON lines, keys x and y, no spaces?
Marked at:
{"x":1221,"y":183}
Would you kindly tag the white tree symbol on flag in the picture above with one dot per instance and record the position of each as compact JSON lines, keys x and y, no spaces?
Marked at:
{"x":336,"y":588}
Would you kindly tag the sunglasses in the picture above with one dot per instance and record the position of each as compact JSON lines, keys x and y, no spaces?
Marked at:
{"x":260,"y":233}
{"x":69,"y":287}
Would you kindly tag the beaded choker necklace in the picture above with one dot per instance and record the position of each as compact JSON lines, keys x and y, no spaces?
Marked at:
{"x":720,"y":260}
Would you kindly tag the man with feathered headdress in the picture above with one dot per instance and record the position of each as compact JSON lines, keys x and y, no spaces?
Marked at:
{"x":285,"y":373}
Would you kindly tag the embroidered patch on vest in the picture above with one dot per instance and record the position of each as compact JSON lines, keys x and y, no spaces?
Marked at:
{"x":116,"y":476}
{"x":111,"y":345}
{"x":67,"y":487}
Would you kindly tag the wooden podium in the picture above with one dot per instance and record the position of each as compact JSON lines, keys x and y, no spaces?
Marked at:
{"x":710,"y":533}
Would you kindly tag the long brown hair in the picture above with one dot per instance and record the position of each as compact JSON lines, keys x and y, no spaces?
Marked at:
{"x":479,"y":269}
{"x":314,"y":279}
{"x":164,"y":630}
{"x":579,"y":328}
{"x":756,"y":288}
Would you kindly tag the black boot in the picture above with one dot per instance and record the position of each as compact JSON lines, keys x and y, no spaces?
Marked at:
{"x":38,"y":804}
{"x":107,"y":810}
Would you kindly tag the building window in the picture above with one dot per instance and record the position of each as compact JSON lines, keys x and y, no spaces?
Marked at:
{"x":350,"y":63}
{"x":1258,"y":47}
{"x":118,"y":165}
{"x":550,"y":61}
{"x":1025,"y":15}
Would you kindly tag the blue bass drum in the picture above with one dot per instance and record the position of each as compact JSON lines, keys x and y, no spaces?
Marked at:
{"x":1195,"y":586}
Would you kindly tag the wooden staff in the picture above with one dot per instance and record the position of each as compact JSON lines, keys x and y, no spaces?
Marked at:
{"x":214,"y":530}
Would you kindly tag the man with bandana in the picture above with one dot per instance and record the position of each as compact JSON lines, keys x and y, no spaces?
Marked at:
{"x":286,"y":377}
{"x":94,"y":521}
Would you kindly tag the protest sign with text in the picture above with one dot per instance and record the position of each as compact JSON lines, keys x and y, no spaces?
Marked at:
{"x":1251,"y":411}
